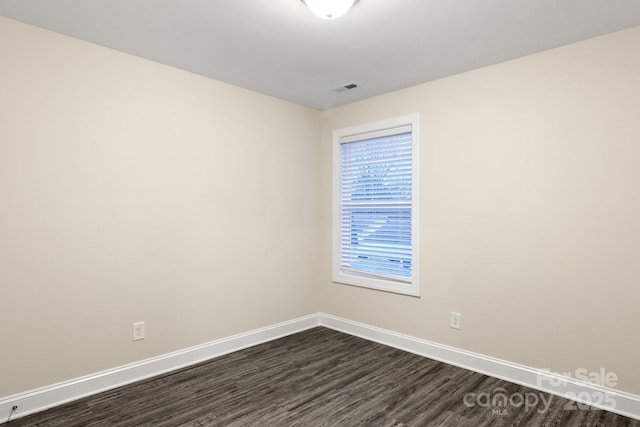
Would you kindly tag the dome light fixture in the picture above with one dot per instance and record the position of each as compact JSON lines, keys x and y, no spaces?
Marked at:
{"x":329,"y":9}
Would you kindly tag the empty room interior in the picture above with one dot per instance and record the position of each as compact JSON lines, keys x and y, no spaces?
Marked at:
{"x":177,"y":189}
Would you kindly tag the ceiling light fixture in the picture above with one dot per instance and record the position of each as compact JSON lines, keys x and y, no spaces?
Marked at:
{"x":329,"y":9}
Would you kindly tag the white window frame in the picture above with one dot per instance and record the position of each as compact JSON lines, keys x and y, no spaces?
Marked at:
{"x":362,"y":132}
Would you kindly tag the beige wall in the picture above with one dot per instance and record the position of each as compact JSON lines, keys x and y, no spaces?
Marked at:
{"x":531,"y":210}
{"x":133,"y":191}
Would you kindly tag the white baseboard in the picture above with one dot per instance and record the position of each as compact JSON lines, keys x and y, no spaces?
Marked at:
{"x":579,"y":391}
{"x":57,"y":394}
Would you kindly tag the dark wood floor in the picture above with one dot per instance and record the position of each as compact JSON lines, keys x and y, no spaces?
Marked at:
{"x":321,"y":377}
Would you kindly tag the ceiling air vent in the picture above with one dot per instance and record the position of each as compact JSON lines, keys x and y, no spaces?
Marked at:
{"x":346,"y":87}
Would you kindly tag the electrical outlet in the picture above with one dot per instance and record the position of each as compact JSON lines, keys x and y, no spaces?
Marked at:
{"x":456,"y":320}
{"x":138,"y":331}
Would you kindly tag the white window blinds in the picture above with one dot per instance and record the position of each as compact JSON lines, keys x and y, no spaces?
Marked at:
{"x":375,"y":204}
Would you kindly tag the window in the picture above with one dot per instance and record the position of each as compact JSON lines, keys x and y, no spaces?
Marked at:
{"x":376,"y":206}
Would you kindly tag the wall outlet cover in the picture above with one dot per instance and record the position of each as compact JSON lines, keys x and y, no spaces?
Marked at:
{"x":138,"y":331}
{"x":456,"y":320}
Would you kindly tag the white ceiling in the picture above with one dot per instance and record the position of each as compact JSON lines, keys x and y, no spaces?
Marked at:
{"x":277,"y":47}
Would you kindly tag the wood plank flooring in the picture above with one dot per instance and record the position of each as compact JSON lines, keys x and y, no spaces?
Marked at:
{"x":321,"y":377}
